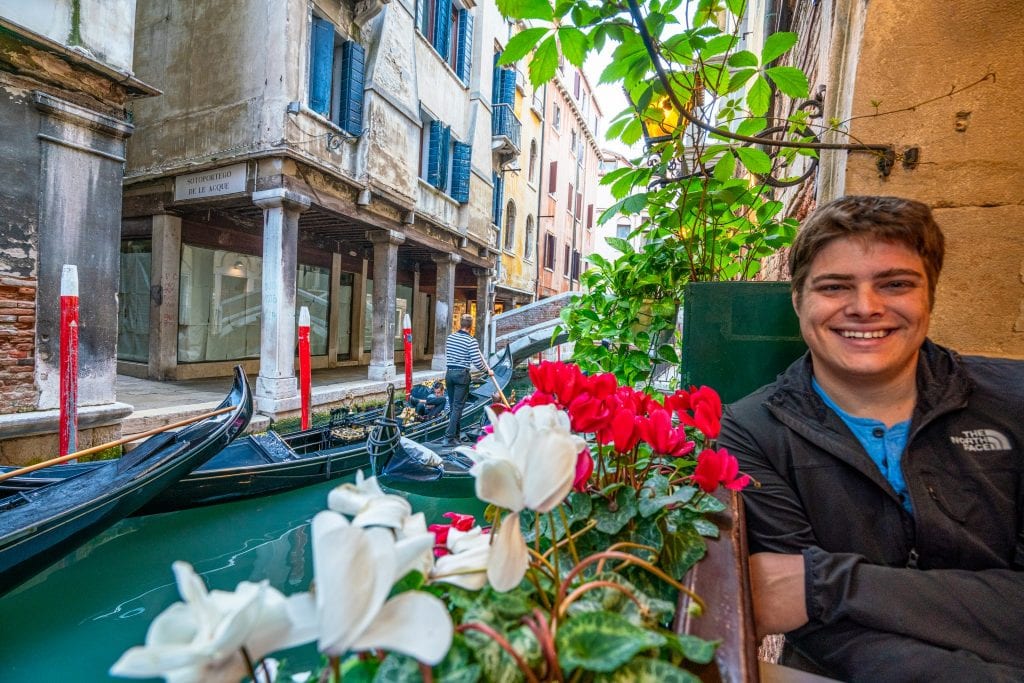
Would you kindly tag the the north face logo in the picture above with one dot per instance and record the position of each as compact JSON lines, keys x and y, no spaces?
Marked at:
{"x":982,"y":440}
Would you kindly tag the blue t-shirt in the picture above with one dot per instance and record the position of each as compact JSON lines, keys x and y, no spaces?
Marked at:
{"x":884,"y":446}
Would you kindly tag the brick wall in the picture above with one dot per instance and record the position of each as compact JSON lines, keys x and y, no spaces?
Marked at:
{"x":17,"y":344}
{"x":524,"y":318}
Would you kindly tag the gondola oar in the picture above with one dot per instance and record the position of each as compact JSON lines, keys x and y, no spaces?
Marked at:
{"x":491,"y":374}
{"x":111,"y":444}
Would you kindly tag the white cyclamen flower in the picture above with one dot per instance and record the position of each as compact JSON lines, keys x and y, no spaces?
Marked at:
{"x":355,"y":569}
{"x":466,"y":563}
{"x":528,"y":462}
{"x":200,"y":639}
{"x":368,"y":505}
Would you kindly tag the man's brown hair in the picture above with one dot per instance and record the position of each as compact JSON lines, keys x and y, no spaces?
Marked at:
{"x":888,"y":219}
{"x":466,"y":321}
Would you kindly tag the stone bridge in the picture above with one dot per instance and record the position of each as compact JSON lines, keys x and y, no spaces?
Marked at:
{"x":527,"y":330}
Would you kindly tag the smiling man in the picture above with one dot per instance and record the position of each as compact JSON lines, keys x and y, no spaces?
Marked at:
{"x":887,"y":530}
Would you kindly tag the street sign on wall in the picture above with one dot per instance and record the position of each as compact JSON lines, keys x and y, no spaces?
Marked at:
{"x":211,"y":183}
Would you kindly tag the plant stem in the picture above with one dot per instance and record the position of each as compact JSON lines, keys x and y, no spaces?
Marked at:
{"x":248,"y":663}
{"x":583,"y":588}
{"x":503,"y":644}
{"x":627,"y":559}
{"x":568,"y":535}
{"x":554,"y":551}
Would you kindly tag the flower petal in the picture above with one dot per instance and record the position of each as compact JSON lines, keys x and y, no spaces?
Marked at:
{"x":498,"y":481}
{"x":413,"y":623}
{"x":509,"y":556}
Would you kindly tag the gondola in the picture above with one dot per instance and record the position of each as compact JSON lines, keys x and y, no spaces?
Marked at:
{"x":41,"y":525}
{"x":262,"y":464}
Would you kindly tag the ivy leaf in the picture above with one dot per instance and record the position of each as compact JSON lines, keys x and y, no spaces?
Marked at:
{"x":545,"y":61}
{"x":682,"y":549}
{"x":574,"y":44}
{"x":706,"y":527}
{"x":758,"y":97}
{"x":726,"y":167}
{"x":521,"y":44}
{"x":719,"y":45}
{"x":526,"y":9}
{"x":649,"y":505}
{"x":755,"y":160}
{"x":789,"y":80}
{"x":736,"y":6}
{"x":601,"y":641}
{"x":752,"y":126}
{"x":647,"y":670}
{"x":741,"y":59}
{"x":777,"y":45}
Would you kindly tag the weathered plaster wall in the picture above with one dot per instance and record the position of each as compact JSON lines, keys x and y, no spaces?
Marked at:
{"x":222,"y":68}
{"x":971,"y":170}
{"x":104,"y":28}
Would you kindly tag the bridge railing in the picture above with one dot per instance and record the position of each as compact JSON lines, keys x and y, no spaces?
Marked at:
{"x":516,"y":323}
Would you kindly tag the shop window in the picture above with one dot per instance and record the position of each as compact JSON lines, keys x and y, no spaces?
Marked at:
{"x":133,"y":301}
{"x":220,"y":305}
{"x":336,"y":75}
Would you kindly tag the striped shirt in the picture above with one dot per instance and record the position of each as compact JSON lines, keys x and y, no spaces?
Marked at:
{"x":462,"y":351}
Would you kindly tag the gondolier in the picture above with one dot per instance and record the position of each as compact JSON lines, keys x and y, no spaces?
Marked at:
{"x":462,"y":354}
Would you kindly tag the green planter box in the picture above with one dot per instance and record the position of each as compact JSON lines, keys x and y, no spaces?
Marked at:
{"x":738,"y":336}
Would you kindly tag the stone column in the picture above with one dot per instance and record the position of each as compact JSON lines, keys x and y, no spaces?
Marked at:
{"x":385,"y":270}
{"x":276,"y":382}
{"x":163,"y":297}
{"x":419,"y":320}
{"x":483,"y":305}
{"x":444,"y":304}
{"x":333,"y":311}
{"x":358,"y":314}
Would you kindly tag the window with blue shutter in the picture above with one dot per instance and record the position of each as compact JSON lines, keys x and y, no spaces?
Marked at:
{"x":446,"y":146}
{"x":464,"y":60}
{"x":507,"y":93}
{"x":350,"y":115}
{"x":461,"y":157}
{"x":321,"y":60}
{"x":434,"y":154}
{"x":442,"y":28}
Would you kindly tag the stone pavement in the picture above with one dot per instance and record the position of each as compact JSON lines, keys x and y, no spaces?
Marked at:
{"x":159,"y":403}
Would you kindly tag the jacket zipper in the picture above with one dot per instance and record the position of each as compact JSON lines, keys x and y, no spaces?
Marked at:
{"x":938,"y":501}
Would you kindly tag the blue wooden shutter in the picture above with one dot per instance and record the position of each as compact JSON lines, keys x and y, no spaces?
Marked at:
{"x":353,"y":63}
{"x":434,"y":154}
{"x":444,"y":157}
{"x":508,"y":86}
{"x":321,"y":66}
{"x":464,"y":63}
{"x":496,"y":80}
{"x":443,"y":28}
{"x":498,"y":199}
{"x":460,"y":172}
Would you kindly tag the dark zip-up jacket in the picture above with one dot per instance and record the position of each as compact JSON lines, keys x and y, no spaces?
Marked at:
{"x":937,"y":595}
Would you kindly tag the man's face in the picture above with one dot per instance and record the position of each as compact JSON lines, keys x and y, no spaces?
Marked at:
{"x":864,"y":311}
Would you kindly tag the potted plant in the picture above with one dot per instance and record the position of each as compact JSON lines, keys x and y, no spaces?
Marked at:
{"x":600,"y":497}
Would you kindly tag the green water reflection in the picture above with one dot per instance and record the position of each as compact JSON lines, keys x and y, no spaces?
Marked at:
{"x":73,"y":621}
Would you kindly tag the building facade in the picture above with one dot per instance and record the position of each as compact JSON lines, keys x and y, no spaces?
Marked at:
{"x":66,"y":73}
{"x":310,"y":155}
{"x":569,"y":183}
{"x":517,"y":186}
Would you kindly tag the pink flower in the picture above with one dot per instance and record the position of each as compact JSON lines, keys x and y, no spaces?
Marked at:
{"x":716,"y":467}
{"x":657,"y":430}
{"x":440,"y":531}
{"x":584,"y":468}
{"x":625,"y":430}
{"x":707,"y":412}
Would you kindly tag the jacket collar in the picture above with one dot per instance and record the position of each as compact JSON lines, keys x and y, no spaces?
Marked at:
{"x":942,"y":386}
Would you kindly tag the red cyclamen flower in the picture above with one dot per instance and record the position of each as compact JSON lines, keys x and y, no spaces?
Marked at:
{"x":657,"y":430}
{"x":716,"y":467}
{"x":584,"y":468}
{"x":707,"y":412}
{"x":625,"y":430}
{"x":440,"y":531}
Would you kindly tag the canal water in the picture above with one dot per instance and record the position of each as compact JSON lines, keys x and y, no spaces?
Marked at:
{"x":73,"y":621}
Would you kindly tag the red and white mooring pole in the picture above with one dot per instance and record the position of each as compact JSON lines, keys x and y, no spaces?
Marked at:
{"x":68,"y":360}
{"x":305,"y":381}
{"x":407,"y":337}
